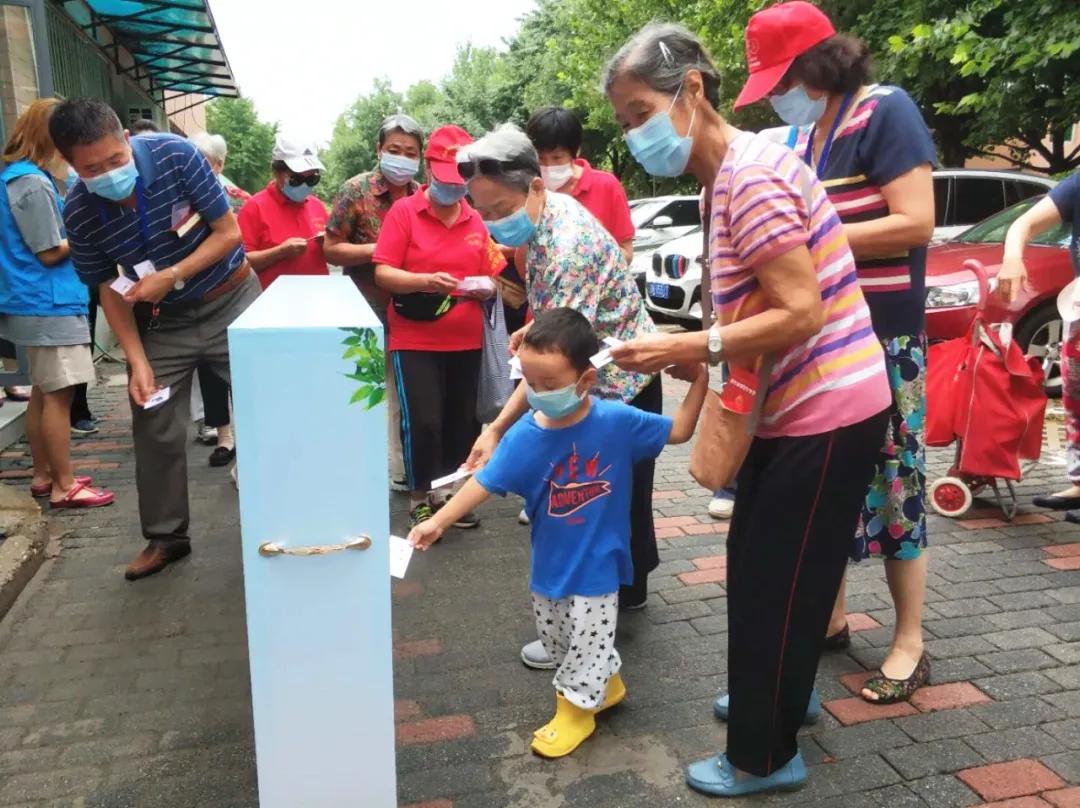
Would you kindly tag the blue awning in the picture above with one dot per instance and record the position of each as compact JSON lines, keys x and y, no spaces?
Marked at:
{"x":174,"y":42}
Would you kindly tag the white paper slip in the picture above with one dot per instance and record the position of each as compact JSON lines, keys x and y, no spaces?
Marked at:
{"x":600,"y":359}
{"x":159,"y":397}
{"x":612,"y":342}
{"x":476,"y":283}
{"x":400,"y":554}
{"x":144,"y":268}
{"x":515,"y":368}
{"x":450,"y":479}
{"x":121,"y":285}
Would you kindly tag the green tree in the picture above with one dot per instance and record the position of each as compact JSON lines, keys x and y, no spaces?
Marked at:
{"x":993,"y":72}
{"x":250,"y":140}
{"x":356,"y":133}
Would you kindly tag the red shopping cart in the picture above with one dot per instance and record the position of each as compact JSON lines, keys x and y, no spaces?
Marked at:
{"x":984,"y":394}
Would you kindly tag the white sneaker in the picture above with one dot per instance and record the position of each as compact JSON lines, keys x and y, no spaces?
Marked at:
{"x":722,"y":507}
{"x":523,"y":519}
{"x":534,"y":656}
{"x":208,"y":435}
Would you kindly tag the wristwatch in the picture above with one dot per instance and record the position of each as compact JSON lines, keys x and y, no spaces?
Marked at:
{"x":178,"y":282}
{"x":716,"y":345}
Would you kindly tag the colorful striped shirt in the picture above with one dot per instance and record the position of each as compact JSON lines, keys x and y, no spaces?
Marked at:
{"x":176,"y":181}
{"x":883,"y":138}
{"x":759,"y":212}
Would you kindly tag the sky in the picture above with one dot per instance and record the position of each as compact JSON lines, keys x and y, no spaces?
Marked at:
{"x":304,"y":61}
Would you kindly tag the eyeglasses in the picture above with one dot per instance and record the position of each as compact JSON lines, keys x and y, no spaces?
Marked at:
{"x":487,"y":167}
{"x":310,"y":180}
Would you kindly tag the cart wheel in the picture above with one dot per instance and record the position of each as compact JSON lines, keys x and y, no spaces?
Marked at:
{"x":950,"y":496}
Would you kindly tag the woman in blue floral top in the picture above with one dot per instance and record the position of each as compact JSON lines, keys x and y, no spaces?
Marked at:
{"x":570,"y":260}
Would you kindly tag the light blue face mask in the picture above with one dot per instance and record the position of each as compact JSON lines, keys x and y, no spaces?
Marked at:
{"x":514,"y":230}
{"x":554,"y":404}
{"x":72,"y":177}
{"x":445,"y":194}
{"x":398,"y":170}
{"x":660,"y":149}
{"x":297,"y":193}
{"x":116,"y":184}
{"x":796,"y":108}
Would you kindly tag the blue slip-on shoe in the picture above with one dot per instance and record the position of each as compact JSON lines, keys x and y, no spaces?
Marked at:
{"x":813,"y":709}
{"x":715,"y":776}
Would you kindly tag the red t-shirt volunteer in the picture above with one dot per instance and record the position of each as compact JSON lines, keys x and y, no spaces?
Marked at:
{"x":603,"y":196}
{"x":269,"y":218}
{"x":412,"y":238}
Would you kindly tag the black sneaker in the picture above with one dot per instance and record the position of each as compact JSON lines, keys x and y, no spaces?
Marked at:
{"x":421,"y":513}
{"x":80,"y":429}
{"x":222,"y":456}
{"x":468,"y":521}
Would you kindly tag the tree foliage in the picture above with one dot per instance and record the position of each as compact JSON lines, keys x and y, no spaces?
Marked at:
{"x":985,"y":72}
{"x":249,"y":140}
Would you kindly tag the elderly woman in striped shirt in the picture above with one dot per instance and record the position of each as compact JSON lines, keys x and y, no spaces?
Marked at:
{"x":784,"y":286}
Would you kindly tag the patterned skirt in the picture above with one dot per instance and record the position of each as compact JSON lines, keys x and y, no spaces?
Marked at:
{"x":893,"y":520}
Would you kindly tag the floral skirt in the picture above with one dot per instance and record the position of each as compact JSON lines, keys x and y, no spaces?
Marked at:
{"x":893,"y":520}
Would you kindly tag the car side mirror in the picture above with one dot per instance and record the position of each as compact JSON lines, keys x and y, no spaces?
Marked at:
{"x":661,"y":222}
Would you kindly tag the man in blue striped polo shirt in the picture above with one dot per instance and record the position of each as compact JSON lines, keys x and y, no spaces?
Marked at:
{"x":153,"y":206}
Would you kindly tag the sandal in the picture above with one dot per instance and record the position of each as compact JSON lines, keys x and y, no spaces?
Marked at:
{"x":45,"y":489}
{"x":838,"y":641}
{"x":891,"y":691}
{"x":96,"y":499}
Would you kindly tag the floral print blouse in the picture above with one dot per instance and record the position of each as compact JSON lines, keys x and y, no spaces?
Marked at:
{"x":573,"y":261}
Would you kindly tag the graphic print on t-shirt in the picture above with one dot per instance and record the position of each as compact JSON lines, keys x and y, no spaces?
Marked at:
{"x":573,"y":484}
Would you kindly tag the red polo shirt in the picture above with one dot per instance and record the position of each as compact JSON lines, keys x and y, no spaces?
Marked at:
{"x":269,"y":218}
{"x":603,"y":196}
{"x":412,"y":238}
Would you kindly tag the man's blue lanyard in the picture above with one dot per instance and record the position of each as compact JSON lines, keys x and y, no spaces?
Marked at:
{"x":140,"y":208}
{"x":827,"y":148}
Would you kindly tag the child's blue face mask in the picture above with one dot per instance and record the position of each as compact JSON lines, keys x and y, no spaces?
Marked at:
{"x":555,"y":404}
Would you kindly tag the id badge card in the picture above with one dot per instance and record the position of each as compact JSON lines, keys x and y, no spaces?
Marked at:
{"x":180,"y":212}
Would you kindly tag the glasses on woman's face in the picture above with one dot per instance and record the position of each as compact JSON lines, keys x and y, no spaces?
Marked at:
{"x":310,"y":180}
{"x":487,"y":167}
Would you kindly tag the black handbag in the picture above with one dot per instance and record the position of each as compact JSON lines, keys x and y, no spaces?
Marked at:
{"x":424,"y":306}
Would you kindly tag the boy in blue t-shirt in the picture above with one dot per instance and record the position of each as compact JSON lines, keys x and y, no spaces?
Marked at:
{"x":572,"y":459}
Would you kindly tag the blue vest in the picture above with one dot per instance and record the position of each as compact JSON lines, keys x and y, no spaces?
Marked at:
{"x":27,"y":286}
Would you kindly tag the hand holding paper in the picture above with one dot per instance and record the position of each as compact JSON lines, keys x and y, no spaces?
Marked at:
{"x":159,"y":397}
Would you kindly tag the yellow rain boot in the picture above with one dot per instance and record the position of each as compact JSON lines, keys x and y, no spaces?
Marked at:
{"x":616,"y":692}
{"x":570,"y":727}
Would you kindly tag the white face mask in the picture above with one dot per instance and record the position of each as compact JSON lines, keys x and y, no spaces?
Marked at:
{"x":555,"y":177}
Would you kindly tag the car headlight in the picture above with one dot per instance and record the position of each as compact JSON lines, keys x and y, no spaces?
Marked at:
{"x":953,"y":296}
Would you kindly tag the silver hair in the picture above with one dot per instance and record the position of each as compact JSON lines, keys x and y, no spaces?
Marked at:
{"x":400,"y":122}
{"x":213,"y":147}
{"x":507,"y":144}
{"x":660,"y":54}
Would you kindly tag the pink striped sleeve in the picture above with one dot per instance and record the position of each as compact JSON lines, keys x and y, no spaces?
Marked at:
{"x":764,"y":215}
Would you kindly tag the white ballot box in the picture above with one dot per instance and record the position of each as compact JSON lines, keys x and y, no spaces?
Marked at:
{"x":308,"y":376}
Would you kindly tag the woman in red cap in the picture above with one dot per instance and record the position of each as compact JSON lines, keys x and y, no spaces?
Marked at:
{"x":428,"y":244}
{"x":792,"y":319}
{"x":871,"y":148}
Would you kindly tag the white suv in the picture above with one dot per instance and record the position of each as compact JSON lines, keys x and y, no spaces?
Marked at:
{"x":962,"y":197}
{"x":673,"y":281}
{"x":659,"y":220}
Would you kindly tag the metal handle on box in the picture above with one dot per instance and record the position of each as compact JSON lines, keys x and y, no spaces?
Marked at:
{"x":269,"y":549}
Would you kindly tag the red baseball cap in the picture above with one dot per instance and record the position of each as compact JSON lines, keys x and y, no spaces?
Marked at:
{"x":776,"y":37}
{"x":441,"y":153}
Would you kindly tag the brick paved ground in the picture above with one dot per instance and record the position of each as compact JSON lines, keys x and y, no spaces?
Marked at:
{"x":117,"y":694}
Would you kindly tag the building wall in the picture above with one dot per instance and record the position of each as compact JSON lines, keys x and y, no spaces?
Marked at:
{"x":1071,"y":143}
{"x":18,"y":69}
{"x":189,"y":121}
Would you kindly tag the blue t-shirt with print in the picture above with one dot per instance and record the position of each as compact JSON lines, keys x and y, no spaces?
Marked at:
{"x":1066,"y":196}
{"x":577,"y":484}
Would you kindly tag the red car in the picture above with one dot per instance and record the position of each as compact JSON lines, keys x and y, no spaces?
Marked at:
{"x":952,"y":293}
